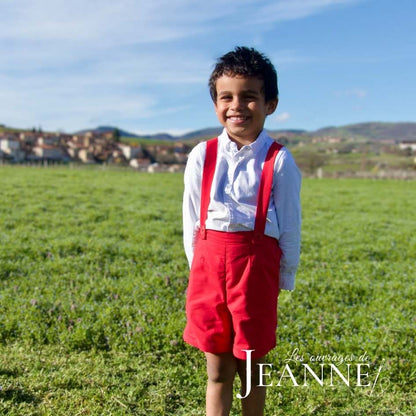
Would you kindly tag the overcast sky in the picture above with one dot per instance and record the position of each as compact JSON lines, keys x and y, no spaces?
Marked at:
{"x":143,"y":65}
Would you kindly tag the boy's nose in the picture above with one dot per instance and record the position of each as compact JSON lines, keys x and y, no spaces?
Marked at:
{"x":237,"y":103}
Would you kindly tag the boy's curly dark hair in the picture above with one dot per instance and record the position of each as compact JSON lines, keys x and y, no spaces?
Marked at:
{"x":249,"y":63}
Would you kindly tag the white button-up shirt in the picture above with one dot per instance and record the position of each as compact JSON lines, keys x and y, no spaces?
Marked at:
{"x":233,"y":198}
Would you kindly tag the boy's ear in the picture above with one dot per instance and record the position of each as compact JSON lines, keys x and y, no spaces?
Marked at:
{"x":271,"y":106}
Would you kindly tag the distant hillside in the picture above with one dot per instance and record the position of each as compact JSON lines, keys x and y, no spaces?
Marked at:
{"x":289,"y":131}
{"x":106,"y":129}
{"x":373,"y":130}
{"x":158,"y":136}
{"x":124,"y":133}
{"x":370,"y":131}
{"x":6,"y":129}
{"x":193,"y":135}
{"x":203,"y":133}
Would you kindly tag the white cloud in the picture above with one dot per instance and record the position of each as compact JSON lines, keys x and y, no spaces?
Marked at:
{"x":73,"y":62}
{"x":353,"y":92}
{"x":78,"y":34}
{"x":295,"y":9}
{"x":282,"y":117}
{"x":141,"y":21}
{"x":109,"y":22}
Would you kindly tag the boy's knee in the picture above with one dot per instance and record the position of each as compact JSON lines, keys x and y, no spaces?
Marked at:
{"x":221,"y":369}
{"x":220,"y":376}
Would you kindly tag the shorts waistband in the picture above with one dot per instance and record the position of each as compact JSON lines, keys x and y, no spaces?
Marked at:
{"x":236,"y":237}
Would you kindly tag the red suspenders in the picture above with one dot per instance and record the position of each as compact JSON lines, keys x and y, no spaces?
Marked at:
{"x":265,"y":190}
{"x":263,"y":196}
{"x":207,"y":176}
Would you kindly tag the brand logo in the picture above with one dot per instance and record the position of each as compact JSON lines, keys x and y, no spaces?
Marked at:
{"x":326,"y":370}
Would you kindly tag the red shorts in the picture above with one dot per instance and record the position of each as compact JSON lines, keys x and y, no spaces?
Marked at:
{"x":232,"y":294}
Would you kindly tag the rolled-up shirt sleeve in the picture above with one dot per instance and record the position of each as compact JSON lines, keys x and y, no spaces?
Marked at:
{"x":191,"y":198}
{"x":286,"y":194}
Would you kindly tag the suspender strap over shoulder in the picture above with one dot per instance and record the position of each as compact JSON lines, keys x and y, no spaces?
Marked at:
{"x":207,"y":176}
{"x":265,"y":188}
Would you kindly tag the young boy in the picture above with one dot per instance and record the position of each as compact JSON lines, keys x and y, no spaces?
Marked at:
{"x":241,"y":216}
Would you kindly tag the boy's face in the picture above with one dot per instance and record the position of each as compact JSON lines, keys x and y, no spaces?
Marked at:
{"x":241,"y":107}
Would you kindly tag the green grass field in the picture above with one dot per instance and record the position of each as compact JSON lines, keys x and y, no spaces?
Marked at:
{"x":93,"y":275}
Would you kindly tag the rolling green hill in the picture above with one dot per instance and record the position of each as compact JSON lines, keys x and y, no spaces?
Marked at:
{"x":405,"y":131}
{"x":373,"y":130}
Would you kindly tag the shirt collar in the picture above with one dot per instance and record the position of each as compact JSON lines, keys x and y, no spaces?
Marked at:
{"x":231,"y":147}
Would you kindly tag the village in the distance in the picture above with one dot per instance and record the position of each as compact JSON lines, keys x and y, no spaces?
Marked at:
{"x":365,"y":149}
{"x":89,"y":147}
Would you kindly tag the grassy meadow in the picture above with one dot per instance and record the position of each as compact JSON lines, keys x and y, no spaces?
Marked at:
{"x":92,"y":290}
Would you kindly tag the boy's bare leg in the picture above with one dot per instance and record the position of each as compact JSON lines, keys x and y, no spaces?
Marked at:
{"x":253,"y":404}
{"x":221,"y":370}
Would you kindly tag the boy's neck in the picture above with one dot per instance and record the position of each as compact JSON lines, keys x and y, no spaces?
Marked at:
{"x":240,"y":141}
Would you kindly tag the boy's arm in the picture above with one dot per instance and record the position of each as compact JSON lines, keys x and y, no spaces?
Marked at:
{"x":286,"y":194}
{"x":191,"y":198}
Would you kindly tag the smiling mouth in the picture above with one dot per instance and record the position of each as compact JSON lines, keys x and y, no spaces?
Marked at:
{"x":237,"y":119}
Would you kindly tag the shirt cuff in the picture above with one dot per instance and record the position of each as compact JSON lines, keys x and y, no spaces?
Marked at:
{"x":287,"y":281}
